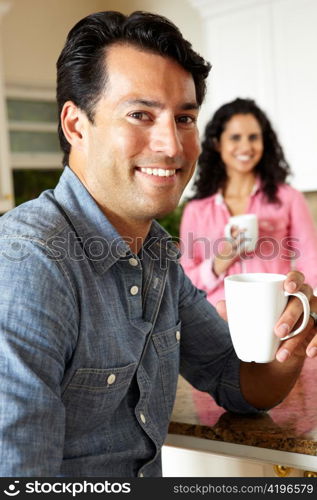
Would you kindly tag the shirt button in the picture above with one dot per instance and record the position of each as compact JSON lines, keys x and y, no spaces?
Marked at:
{"x":111,"y":379}
{"x":142,"y":417}
{"x":133,"y":262}
{"x":122,"y":252}
{"x":178,"y":335}
{"x":134,"y":290}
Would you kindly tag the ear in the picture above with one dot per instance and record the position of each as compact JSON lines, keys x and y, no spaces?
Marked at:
{"x":73,"y":125}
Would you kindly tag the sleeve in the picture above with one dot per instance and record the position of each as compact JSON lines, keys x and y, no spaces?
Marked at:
{"x":37,"y":335}
{"x":304,"y":235}
{"x":208,"y":360}
{"x":197,"y":257}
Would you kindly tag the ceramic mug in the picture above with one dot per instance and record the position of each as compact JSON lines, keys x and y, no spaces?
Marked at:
{"x":255,"y":301}
{"x":248,"y":223}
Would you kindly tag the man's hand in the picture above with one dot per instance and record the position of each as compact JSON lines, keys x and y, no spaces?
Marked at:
{"x":304,"y":343}
{"x":279,"y":376}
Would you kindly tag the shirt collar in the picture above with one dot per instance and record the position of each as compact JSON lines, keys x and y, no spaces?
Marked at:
{"x":256,"y":187}
{"x":102,"y":243}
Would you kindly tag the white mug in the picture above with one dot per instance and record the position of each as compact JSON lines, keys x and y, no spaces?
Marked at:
{"x":255,"y":301}
{"x":249,"y":224}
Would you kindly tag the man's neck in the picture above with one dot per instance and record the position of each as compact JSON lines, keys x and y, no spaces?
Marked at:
{"x":133,"y":232}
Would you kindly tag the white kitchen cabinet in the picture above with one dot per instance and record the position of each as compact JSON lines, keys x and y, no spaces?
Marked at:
{"x":183,"y":462}
{"x":265,"y":50}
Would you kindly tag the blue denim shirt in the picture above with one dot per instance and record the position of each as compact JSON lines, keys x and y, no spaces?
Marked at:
{"x":93,"y":339}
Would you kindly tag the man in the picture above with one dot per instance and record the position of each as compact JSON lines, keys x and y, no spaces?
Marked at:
{"x":97,"y":317}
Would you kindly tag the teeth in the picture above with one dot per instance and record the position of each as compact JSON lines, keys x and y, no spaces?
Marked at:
{"x":161,"y":172}
{"x":243,"y":157}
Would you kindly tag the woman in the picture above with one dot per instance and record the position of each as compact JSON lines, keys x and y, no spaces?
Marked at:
{"x":242,"y":169}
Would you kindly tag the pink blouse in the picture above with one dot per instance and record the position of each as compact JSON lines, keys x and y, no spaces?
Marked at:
{"x":287,"y":239}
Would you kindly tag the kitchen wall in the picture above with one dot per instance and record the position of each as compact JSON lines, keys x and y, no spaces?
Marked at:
{"x":33,"y":33}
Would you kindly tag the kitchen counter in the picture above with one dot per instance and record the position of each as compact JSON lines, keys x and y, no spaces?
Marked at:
{"x":285,"y":435}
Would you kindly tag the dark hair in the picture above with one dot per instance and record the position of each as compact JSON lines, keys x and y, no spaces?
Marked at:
{"x":272,"y":169}
{"x":81,"y":69}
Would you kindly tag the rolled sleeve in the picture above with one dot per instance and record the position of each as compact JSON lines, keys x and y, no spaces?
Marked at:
{"x":228,"y":394}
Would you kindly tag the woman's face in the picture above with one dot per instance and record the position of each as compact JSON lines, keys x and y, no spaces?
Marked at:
{"x":241,"y":144}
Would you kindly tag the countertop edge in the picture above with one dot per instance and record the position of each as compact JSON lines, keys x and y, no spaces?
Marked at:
{"x":289,"y":459}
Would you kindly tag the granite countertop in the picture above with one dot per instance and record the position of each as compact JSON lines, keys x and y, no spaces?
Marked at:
{"x":291,"y":426}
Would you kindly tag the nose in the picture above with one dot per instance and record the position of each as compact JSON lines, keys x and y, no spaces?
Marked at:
{"x":165,"y":138}
{"x":246,"y":144}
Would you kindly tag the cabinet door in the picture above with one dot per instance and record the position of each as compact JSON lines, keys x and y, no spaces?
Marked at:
{"x":181,"y":462}
{"x":266,"y":51}
{"x":295,"y":53}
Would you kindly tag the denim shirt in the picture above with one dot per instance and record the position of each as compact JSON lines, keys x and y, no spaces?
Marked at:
{"x":93,"y":338}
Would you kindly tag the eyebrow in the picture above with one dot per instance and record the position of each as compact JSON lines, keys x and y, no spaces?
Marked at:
{"x":186,"y":106}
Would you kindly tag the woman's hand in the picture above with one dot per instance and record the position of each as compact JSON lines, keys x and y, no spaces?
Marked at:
{"x":230,"y":251}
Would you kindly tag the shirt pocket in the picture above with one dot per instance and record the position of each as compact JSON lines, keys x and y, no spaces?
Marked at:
{"x":167,"y":346}
{"x":93,"y":395}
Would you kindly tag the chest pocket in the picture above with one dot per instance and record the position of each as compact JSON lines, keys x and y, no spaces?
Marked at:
{"x":93,"y":395}
{"x":167,"y":346}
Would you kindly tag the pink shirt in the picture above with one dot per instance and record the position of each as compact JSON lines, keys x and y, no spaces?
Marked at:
{"x":287,"y":239}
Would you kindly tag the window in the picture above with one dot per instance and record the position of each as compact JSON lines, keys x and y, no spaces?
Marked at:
{"x":35,"y":156}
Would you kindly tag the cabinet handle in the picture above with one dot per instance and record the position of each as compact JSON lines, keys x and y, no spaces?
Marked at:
{"x":281,"y":470}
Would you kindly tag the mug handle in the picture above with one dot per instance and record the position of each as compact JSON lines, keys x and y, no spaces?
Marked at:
{"x":302,"y":297}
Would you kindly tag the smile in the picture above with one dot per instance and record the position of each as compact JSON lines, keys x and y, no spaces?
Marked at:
{"x":244,"y":157}
{"x":160,"y":172}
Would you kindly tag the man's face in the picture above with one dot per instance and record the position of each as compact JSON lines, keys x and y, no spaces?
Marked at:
{"x":141,"y":150}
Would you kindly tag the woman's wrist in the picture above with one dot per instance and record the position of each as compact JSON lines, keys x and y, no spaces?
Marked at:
{"x":218,"y":266}
{"x":213,"y":270}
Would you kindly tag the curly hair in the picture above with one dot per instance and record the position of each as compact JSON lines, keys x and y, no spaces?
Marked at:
{"x":81,"y":69}
{"x":272,"y":169}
